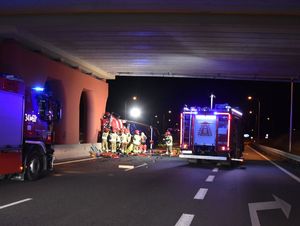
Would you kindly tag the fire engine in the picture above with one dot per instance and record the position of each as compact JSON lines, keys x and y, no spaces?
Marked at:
{"x":113,"y":121}
{"x":27,"y":118}
{"x":211,"y":134}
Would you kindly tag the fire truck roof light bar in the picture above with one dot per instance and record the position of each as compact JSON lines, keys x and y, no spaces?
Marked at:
{"x":221,"y":158}
{"x":38,"y":89}
{"x":190,"y":113}
{"x":221,"y":113}
{"x":208,"y":117}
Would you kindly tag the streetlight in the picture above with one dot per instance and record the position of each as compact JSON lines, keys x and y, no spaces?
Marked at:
{"x":135,"y":112}
{"x":126,"y":101}
{"x":258,"y":116}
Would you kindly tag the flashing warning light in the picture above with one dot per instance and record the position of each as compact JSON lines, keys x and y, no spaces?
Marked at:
{"x":38,"y":89}
{"x":221,"y":113}
{"x":190,"y":113}
{"x":207,"y":117}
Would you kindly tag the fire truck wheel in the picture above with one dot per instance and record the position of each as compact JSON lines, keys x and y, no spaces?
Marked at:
{"x":33,"y":166}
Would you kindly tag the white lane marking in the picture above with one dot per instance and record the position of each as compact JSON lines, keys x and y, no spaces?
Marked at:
{"x":73,"y":161}
{"x":279,"y":167}
{"x":15,"y":203}
{"x":185,"y":220}
{"x":215,"y":170}
{"x":210,"y":178}
{"x":201,"y":193}
{"x":126,"y":166}
{"x":135,"y":167}
{"x":259,"y":206}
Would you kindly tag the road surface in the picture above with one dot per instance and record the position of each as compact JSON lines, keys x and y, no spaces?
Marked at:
{"x":157,"y":191}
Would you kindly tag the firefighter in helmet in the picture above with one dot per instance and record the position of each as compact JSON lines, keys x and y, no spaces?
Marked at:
{"x":129,"y":141}
{"x":143,"y":142}
{"x":113,"y":137}
{"x":104,"y":142}
{"x":123,"y":141}
{"x":136,"y":141}
{"x":169,"y":142}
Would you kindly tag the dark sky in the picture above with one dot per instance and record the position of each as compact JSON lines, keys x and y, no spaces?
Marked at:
{"x":158,"y":95}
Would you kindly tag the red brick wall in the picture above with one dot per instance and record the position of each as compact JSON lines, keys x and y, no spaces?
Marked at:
{"x":66,"y":83}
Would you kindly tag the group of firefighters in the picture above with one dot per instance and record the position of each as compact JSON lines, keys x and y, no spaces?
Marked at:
{"x":124,"y":142}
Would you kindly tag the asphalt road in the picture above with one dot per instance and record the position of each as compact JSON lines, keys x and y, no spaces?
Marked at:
{"x":157,"y":191}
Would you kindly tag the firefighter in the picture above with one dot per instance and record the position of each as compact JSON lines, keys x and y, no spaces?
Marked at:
{"x":119,"y":133}
{"x":104,"y":142}
{"x":169,"y":142}
{"x":129,"y":141}
{"x":143,"y":142}
{"x":124,"y":141}
{"x":136,"y":141}
{"x":113,"y":136}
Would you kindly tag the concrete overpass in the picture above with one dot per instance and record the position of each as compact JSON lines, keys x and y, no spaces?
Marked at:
{"x":247,"y":40}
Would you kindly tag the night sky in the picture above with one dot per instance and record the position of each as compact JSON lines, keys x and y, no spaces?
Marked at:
{"x":158,"y":95}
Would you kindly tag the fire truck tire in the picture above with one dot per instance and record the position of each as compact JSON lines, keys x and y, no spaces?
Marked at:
{"x":34,"y":166}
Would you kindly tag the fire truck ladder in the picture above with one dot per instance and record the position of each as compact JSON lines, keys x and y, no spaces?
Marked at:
{"x":187,"y":129}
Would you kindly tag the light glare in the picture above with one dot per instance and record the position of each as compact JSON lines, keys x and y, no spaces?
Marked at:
{"x":135,"y":112}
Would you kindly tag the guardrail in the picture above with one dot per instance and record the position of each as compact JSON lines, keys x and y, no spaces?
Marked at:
{"x":65,"y":152}
{"x":279,"y":152}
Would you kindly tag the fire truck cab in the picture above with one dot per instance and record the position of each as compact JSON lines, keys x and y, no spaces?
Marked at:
{"x":211,"y":134}
{"x":27,"y":118}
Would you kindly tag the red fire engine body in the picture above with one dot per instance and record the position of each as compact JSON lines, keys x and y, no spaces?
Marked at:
{"x":211,"y":134}
{"x":26,"y":132}
{"x":111,"y":121}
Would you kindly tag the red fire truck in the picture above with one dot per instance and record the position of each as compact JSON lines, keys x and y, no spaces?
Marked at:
{"x":111,"y":121}
{"x":211,"y":134}
{"x":26,"y":132}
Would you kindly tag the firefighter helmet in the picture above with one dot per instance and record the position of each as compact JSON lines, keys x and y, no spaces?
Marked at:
{"x":106,"y":115}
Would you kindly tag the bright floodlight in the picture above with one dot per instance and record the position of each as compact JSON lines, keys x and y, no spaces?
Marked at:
{"x":135,"y":112}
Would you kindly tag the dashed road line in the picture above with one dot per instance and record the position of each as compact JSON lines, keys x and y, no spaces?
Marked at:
{"x":279,"y":167}
{"x":185,"y":220}
{"x":201,"y":193}
{"x":215,"y":170}
{"x":15,"y":203}
{"x":210,"y":178}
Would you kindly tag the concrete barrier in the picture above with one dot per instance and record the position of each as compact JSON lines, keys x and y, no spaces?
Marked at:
{"x":279,"y":152}
{"x":66,"y":152}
